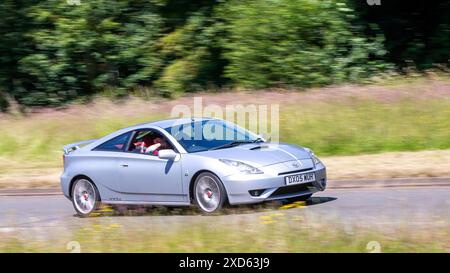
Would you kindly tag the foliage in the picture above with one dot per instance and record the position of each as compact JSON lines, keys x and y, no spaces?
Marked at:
{"x":55,"y":51}
{"x":417,"y":34}
{"x":299,"y":43}
{"x":80,"y":49}
{"x":192,"y":56}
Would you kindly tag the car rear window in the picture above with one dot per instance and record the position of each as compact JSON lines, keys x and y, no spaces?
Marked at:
{"x":116,"y":144}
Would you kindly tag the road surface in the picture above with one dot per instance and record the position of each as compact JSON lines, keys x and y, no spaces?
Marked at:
{"x":384,"y":208}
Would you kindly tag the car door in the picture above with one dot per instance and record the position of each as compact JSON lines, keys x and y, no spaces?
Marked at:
{"x":101,"y":164}
{"x":146,"y":177}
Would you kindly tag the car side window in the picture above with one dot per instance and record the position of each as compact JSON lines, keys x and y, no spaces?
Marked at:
{"x":116,"y":144}
{"x":148,"y":141}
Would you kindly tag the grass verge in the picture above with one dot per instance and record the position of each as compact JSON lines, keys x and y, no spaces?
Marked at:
{"x":273,"y":233}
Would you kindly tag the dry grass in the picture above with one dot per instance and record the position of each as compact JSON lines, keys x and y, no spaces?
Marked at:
{"x":387,"y":121}
{"x":390,"y":165}
{"x":283,"y":233}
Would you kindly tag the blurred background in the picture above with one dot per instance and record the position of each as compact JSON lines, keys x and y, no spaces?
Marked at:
{"x":353,"y":77}
{"x":57,"y":51}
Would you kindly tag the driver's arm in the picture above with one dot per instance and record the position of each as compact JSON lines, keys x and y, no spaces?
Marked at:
{"x":152,"y":148}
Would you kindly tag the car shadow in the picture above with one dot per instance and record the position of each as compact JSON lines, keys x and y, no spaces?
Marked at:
{"x":319,"y":200}
{"x":134,"y":210}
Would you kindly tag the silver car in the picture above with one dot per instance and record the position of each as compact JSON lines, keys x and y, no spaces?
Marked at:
{"x":203,"y":161}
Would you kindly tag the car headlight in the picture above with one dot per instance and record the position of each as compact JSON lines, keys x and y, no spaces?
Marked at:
{"x":241,"y":166}
{"x":314,"y":158}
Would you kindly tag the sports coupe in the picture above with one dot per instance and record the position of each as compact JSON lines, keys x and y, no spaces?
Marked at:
{"x":208,"y":162}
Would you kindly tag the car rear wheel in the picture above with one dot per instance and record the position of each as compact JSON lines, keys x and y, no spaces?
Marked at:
{"x":209,"y":192}
{"x":85,"y":197}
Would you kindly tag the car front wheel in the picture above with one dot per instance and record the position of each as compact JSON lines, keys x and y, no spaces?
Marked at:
{"x":85,"y":197}
{"x":209,"y":192}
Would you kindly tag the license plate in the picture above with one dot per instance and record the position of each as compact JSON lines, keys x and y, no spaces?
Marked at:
{"x":300,"y":178}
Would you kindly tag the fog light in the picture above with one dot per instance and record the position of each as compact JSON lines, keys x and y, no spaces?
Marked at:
{"x":256,"y":193}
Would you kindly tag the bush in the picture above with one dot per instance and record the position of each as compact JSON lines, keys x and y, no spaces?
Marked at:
{"x":3,"y":102}
{"x":82,"y":49}
{"x":192,"y":55}
{"x":57,"y":51}
{"x":295,"y":42}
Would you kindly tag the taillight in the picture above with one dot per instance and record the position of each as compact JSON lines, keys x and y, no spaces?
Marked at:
{"x":64,"y":159}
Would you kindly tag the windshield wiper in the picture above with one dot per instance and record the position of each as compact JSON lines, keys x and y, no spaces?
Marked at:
{"x":259,"y":139}
{"x":231,"y":144}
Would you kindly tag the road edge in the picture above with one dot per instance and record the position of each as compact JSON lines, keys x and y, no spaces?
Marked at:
{"x":333,"y":184}
{"x":390,"y":183}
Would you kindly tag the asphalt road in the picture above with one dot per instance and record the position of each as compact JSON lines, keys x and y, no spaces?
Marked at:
{"x":385,"y":208}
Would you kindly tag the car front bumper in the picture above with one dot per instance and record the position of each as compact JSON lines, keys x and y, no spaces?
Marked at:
{"x":271,"y":187}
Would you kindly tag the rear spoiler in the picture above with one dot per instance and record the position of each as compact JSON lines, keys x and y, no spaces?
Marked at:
{"x":75,"y":146}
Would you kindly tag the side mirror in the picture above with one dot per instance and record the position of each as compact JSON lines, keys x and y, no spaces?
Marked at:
{"x":168,"y":154}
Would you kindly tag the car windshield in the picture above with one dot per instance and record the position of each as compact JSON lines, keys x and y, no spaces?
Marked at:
{"x":206,"y":135}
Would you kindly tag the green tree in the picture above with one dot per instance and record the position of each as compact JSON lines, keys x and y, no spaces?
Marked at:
{"x":192,"y":56}
{"x":81,"y":49}
{"x":416,"y":34}
{"x":14,"y":44}
{"x":295,"y":42}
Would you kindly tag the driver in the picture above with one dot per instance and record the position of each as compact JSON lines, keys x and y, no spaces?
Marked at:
{"x":159,"y":143}
{"x":144,"y":144}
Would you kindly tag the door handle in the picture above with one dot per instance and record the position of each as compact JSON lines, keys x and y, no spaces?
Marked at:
{"x":124,"y":165}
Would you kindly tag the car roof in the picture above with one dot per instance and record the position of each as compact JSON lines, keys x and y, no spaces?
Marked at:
{"x":161,"y":124}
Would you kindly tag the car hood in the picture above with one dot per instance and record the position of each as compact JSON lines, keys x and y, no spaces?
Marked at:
{"x":260,"y":154}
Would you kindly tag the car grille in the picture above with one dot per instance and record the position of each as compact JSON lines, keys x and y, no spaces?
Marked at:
{"x":296,"y":171}
{"x":291,"y":189}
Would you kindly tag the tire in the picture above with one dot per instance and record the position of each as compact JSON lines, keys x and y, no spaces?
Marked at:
{"x":209,"y":193}
{"x":85,"y":197}
{"x":297,"y":198}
